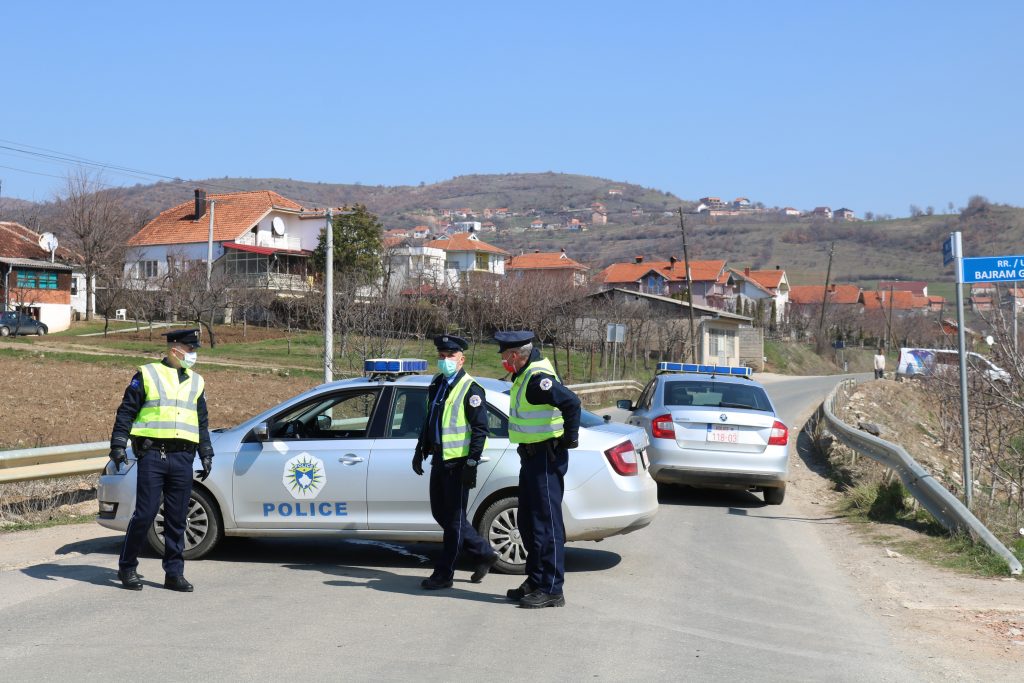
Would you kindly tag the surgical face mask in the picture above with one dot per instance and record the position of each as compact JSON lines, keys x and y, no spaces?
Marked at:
{"x":508,"y":365}
{"x":189,"y":359}
{"x":447,"y":366}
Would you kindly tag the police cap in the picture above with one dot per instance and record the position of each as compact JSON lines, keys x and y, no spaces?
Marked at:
{"x":449,"y":342}
{"x":512,"y":339}
{"x":189,"y":338}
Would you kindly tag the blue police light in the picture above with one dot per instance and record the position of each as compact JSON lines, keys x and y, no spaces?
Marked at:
{"x":393,"y":366}
{"x":731,"y":370}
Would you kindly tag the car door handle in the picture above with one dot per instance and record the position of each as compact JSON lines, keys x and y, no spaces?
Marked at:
{"x":350,"y":459}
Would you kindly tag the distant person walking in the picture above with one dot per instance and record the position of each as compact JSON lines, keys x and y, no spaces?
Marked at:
{"x":880,"y":364}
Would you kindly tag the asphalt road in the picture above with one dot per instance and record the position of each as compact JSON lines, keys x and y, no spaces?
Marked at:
{"x":720,"y":587}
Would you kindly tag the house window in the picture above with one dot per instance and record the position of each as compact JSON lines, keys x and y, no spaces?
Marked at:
{"x":246,"y":263}
{"x":722,"y":343}
{"x":74,"y":286}
{"x":451,"y":265}
{"x":148,"y":269}
{"x":34,"y":279}
{"x":481,"y":261}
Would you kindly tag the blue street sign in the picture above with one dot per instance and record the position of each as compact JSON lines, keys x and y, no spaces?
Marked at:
{"x":994,"y":269}
{"x":947,"y":251}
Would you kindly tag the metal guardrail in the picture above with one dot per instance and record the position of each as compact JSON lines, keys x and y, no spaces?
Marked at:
{"x":935,"y":498}
{"x":89,"y":458}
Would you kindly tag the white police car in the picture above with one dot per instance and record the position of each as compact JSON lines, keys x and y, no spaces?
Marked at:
{"x":336,"y":460}
{"x":712,"y":426}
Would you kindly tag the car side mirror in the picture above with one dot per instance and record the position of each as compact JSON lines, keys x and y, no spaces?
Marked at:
{"x":261,"y":432}
{"x":323,"y":422}
{"x":624,"y":404}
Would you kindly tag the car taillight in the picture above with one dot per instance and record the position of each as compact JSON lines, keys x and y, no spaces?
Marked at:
{"x":780,"y":435}
{"x":622,"y":458}
{"x":662,"y":427}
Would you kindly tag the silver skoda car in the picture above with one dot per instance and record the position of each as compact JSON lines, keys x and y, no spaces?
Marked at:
{"x":336,"y":460}
{"x":712,"y":426}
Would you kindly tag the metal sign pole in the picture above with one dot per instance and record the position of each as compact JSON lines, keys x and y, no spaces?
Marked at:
{"x":961,"y":347}
{"x":329,"y":299}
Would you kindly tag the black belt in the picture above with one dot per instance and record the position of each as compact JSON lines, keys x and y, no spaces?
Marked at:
{"x":538,"y":447}
{"x":167,"y":445}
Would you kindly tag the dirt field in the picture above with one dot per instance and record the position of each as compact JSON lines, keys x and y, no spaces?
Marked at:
{"x":46,"y":402}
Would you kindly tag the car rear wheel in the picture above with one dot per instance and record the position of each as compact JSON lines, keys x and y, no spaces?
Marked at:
{"x":500,"y":526}
{"x":775,"y":496}
{"x":203,"y":528}
{"x":5,"y":332}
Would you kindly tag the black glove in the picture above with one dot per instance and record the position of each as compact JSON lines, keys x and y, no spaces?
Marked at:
{"x":118,"y":456}
{"x":567,"y":442}
{"x":469,"y":473}
{"x":207,"y":463}
{"x":417,"y":463}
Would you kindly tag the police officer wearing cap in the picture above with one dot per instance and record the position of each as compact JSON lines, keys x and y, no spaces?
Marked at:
{"x":544,"y":422}
{"x":164,"y":414}
{"x":453,"y":437}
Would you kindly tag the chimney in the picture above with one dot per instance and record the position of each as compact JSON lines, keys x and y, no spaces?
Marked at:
{"x":672,"y":262}
{"x":200,"y":203}
{"x":638,"y":259}
{"x":746,"y":271}
{"x":776,"y":267}
{"x":536,"y":251}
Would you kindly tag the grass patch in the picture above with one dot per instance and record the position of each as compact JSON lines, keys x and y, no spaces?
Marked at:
{"x":55,"y":520}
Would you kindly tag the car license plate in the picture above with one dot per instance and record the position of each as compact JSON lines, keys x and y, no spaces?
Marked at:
{"x":723,"y":434}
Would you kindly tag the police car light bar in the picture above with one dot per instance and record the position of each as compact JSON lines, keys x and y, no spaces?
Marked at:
{"x":394,"y":366}
{"x":731,"y":370}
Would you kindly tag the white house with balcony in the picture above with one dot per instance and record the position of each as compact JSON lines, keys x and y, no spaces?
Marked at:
{"x":259,"y":237}
{"x":468,"y":258}
{"x":413,"y":267}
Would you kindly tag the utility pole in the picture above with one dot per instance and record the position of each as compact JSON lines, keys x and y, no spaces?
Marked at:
{"x":820,"y":345}
{"x":209,"y":248}
{"x":329,"y":299}
{"x":689,"y":287}
{"x":892,"y":337}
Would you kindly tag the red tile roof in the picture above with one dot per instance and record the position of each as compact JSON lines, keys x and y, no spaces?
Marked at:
{"x":813,"y":294}
{"x":544,"y":260}
{"x":770,"y":279}
{"x":897,"y":286}
{"x":234,"y":214}
{"x":464,"y":241}
{"x":17,"y":241}
{"x":700,"y":271}
{"x":901,"y":301}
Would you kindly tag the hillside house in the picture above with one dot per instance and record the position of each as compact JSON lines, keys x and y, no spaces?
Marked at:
{"x":667,"y":278}
{"x":844,"y":300}
{"x":261,"y":238}
{"x":33,"y":284}
{"x":554,"y":269}
{"x":468,"y":258}
{"x":900,"y":302}
{"x":420,"y":232}
{"x":767,"y":286}
{"x":741,"y":203}
{"x":917,"y":288}
{"x":537,"y":225}
{"x":822,"y":212}
{"x":844,"y":215}
{"x":599,"y":218}
{"x":713,"y":202}
{"x":413,"y":266}
{"x":790,"y":211}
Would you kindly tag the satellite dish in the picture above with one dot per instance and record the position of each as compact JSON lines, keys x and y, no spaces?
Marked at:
{"x":277,"y":225}
{"x":48,"y":241}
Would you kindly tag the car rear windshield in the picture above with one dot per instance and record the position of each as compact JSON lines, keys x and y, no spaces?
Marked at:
{"x":716,"y":395}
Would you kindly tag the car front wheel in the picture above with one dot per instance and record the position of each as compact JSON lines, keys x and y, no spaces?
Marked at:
{"x":203,"y":528}
{"x":41,"y":330}
{"x":5,"y":332}
{"x":500,"y":526}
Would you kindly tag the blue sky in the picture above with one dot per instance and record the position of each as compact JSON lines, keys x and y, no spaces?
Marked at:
{"x":870,"y":105}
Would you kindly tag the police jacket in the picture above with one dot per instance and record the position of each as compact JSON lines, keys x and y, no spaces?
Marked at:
{"x":544,"y":388}
{"x":475,"y":406}
{"x":131,"y":404}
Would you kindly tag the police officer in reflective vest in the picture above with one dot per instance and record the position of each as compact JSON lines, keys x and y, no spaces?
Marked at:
{"x":453,"y":437}
{"x":544,"y":421}
{"x":164,"y":414}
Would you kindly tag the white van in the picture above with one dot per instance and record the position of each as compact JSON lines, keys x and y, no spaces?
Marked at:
{"x":930,"y":362}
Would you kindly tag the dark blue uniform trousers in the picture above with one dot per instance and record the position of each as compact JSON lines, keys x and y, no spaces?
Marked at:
{"x":448,"y":500}
{"x":171,"y":476}
{"x":541,"y":487}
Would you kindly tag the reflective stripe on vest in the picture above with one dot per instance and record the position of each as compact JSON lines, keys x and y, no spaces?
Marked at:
{"x":529,"y":423}
{"x":170,"y":408}
{"x":455,"y":432}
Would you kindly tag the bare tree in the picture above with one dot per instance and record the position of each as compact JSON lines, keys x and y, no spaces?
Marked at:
{"x":98,"y":224}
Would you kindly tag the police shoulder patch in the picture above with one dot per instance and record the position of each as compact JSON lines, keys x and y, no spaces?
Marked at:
{"x":135,"y":383}
{"x":475,"y":401}
{"x":545,"y":384}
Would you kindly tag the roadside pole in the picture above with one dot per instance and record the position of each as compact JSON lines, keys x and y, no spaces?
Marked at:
{"x":689,"y":287}
{"x":965,"y":431}
{"x":209,"y":247}
{"x":329,"y":299}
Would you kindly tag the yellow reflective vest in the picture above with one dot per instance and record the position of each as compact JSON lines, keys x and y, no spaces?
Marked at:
{"x":529,"y":423}
{"x":170,"y":409}
{"x":455,"y":432}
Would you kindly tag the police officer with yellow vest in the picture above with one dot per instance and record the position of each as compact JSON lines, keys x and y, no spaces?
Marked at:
{"x":164,"y":414}
{"x":453,"y":437}
{"x":544,"y":422}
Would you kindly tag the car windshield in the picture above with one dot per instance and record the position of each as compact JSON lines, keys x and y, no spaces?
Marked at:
{"x":714,"y":394}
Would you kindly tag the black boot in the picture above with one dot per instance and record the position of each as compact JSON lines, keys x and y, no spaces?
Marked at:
{"x":130,"y":579}
{"x":177,"y":583}
{"x":432,"y":583}
{"x":539,"y":598}
{"x":483,"y":567}
{"x":517,"y":594}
